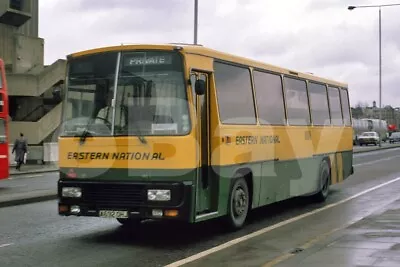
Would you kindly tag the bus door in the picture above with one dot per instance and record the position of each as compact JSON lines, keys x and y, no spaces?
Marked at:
{"x":201,"y":104}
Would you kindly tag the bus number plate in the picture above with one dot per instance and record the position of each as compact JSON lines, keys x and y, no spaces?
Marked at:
{"x":113,"y":214}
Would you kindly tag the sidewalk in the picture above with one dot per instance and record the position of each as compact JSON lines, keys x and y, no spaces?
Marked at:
{"x":29,"y":185}
{"x":364,"y":149}
{"x":34,"y":168}
{"x":373,"y":241}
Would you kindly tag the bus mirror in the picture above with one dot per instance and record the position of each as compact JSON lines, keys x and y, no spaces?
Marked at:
{"x":200,"y":87}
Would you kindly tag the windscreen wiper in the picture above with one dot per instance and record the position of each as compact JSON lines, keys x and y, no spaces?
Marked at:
{"x":85,"y":132}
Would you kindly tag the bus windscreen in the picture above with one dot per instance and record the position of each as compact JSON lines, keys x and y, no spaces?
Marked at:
{"x":151,"y":96}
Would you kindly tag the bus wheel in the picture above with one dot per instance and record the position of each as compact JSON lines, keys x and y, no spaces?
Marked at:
{"x":325,"y":179}
{"x":238,"y":204}
{"x":129,"y":221}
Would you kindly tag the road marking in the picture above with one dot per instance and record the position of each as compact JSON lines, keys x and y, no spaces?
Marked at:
{"x":272,"y":227}
{"x":376,"y":161}
{"x":372,"y":152}
{"x":6,"y":245}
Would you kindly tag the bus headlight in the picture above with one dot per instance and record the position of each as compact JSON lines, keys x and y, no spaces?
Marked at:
{"x":158,"y":195}
{"x":71,"y":192}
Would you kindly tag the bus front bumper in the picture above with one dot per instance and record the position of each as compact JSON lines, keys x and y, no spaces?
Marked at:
{"x":125,"y":199}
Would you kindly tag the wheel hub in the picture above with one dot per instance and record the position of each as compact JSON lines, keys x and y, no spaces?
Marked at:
{"x":239,"y":201}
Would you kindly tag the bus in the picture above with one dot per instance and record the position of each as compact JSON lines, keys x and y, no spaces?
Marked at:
{"x":4,"y":143}
{"x":187,"y":133}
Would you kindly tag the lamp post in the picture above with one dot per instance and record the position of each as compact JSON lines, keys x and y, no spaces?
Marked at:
{"x":380,"y":58}
{"x":196,"y":11}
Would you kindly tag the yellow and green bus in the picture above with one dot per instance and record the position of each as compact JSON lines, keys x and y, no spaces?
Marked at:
{"x":186,"y":133}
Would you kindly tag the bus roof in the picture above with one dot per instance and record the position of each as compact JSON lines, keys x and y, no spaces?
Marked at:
{"x":208,"y":52}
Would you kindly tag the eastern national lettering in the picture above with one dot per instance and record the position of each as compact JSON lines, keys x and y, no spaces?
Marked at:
{"x":255,"y":140}
{"x":116,"y":156}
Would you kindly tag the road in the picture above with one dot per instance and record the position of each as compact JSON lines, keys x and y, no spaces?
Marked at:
{"x":34,"y":235}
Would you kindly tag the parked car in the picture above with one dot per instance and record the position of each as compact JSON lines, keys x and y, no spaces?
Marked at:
{"x":394,"y":137}
{"x":367,"y":138}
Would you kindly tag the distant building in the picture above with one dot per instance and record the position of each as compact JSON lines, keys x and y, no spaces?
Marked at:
{"x":34,"y":89}
{"x":389,"y":114}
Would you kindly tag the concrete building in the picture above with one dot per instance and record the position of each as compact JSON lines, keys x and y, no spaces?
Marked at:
{"x":34,"y":89}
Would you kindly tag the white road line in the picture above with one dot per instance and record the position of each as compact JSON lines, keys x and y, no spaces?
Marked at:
{"x":375,"y":161}
{"x":6,"y":245}
{"x":270,"y":228}
{"x":373,"y":152}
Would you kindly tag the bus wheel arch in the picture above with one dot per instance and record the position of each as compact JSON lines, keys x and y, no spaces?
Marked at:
{"x":240,"y":198}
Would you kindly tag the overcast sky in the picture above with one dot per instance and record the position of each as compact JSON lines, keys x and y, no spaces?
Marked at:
{"x":319,"y":36}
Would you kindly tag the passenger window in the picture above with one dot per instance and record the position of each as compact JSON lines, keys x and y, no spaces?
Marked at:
{"x":319,"y":104}
{"x":297,"y":102}
{"x":234,"y":94}
{"x":335,"y":106}
{"x":345,"y":106}
{"x":269,"y":95}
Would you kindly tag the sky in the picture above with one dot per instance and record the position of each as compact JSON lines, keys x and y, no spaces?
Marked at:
{"x":318,"y":36}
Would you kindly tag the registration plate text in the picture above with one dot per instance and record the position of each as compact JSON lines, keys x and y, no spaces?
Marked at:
{"x":113,"y":214}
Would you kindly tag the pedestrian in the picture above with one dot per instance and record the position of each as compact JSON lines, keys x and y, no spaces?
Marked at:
{"x":20,"y":148}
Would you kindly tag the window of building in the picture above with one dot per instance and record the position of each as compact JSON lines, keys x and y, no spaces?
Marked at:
{"x":297,"y":101}
{"x":319,"y":104}
{"x":268,"y":87}
{"x":16,"y":4}
{"x":234,"y":94}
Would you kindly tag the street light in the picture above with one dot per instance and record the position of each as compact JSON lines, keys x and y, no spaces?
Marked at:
{"x":196,"y":5}
{"x":380,"y":57}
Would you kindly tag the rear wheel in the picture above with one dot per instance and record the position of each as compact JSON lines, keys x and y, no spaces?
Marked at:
{"x":325,"y":180}
{"x":238,"y":207}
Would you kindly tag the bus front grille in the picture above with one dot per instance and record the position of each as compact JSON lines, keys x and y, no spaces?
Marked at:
{"x":123,"y":195}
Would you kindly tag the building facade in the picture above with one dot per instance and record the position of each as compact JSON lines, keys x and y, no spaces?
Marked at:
{"x":34,"y":88}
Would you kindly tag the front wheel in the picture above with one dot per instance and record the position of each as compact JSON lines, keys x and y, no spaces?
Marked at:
{"x":238,"y":207}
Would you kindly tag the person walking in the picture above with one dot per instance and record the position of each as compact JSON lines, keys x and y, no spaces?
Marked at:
{"x":20,"y":148}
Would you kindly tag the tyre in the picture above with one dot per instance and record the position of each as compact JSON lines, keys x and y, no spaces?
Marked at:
{"x":238,"y":204}
{"x":325,"y":180}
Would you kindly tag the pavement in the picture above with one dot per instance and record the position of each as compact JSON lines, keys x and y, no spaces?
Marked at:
{"x":34,"y":168}
{"x":32,"y":184}
{"x":372,"y":241}
{"x":362,"y":149}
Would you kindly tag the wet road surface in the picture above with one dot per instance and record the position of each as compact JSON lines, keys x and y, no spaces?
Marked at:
{"x":34,"y":235}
